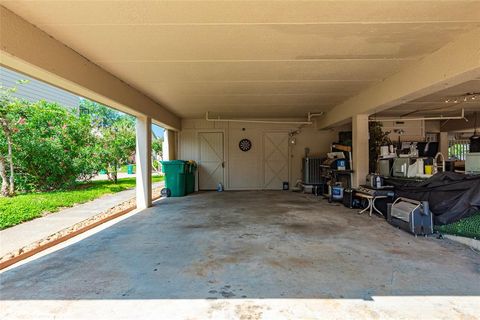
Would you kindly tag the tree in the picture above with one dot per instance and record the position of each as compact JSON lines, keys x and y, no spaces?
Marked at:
{"x":157,"y":148}
{"x":10,"y":118}
{"x":117,"y":143}
{"x":45,"y":146}
{"x":115,"y":135}
{"x":102,"y":116}
{"x":54,"y":146}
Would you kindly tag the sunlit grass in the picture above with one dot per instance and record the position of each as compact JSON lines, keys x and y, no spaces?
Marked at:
{"x":29,"y":206}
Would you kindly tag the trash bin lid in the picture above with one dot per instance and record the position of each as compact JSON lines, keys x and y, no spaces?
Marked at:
{"x":173,"y":162}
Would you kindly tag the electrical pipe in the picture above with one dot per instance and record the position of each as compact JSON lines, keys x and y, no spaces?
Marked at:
{"x":257,"y":121}
{"x":461,"y":117}
{"x":312,"y":115}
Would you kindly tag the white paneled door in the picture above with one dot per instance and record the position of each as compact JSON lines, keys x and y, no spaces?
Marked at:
{"x":211,"y":160}
{"x":275,"y":160}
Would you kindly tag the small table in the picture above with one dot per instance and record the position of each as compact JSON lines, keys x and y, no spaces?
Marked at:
{"x":371,"y":202}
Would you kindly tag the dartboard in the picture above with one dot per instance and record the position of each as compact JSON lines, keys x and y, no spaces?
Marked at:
{"x":245,"y":145}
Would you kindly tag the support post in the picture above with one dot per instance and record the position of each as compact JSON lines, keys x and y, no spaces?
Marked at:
{"x":444,"y":144}
{"x":143,"y":160}
{"x":165,"y":146}
{"x":169,"y":145}
{"x":360,"y":136}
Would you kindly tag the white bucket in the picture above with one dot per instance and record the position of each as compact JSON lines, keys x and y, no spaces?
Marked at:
{"x":337,"y":193}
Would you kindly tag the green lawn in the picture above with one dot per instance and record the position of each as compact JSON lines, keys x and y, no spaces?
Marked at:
{"x":29,"y":206}
{"x":124,"y":169}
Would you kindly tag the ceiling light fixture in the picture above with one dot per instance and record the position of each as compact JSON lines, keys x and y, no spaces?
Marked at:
{"x":469,"y":96}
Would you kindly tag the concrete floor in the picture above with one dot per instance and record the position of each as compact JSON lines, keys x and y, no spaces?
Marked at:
{"x":248,"y":245}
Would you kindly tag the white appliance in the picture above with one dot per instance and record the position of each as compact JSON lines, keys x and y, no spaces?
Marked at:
{"x":472,"y":163}
{"x":384,"y":151}
{"x":400,"y":167}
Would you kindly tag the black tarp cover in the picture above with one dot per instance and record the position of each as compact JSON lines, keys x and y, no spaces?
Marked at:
{"x":451,"y":196}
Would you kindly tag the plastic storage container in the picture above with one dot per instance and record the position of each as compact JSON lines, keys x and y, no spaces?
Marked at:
{"x":190,"y":177}
{"x":337,"y":193}
{"x":175,"y":176}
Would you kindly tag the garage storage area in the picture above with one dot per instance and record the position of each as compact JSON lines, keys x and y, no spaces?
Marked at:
{"x":321,"y":158}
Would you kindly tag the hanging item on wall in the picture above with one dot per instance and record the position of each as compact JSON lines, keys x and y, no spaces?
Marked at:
{"x":245,"y":145}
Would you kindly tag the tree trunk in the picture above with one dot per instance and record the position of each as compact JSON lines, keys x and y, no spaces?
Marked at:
{"x":115,"y":173}
{"x":10,"y":186}
{"x":112,"y":173}
{"x":10,"y":161}
{"x":3,"y":174}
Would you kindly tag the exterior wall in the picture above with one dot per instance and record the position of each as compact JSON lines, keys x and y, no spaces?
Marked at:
{"x":35,"y":90}
{"x":244,"y":170}
{"x":461,"y":125}
{"x":432,"y":126}
{"x":413,"y":130}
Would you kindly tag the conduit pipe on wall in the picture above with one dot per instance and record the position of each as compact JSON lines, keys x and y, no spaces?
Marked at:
{"x":313,"y":115}
{"x":310,"y":115}
{"x":460,"y":117}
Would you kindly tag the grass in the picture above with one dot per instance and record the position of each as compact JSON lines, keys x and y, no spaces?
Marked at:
{"x":124,"y":169}
{"x":29,"y":206}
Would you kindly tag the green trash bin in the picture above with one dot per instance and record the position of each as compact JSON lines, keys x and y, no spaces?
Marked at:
{"x":130,"y":169}
{"x":175,"y":174}
{"x":190,"y":177}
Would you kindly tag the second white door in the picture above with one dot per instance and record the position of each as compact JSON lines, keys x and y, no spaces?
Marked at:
{"x":211,"y":160}
{"x":275,"y":160}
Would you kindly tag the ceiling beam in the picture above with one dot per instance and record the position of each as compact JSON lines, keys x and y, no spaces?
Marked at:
{"x":455,"y":63}
{"x":27,"y":49}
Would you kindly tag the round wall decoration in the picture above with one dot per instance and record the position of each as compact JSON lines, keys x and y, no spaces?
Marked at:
{"x":245,"y":145}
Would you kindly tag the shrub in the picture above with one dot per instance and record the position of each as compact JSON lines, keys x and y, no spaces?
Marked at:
{"x":53,"y":146}
{"x":45,"y":146}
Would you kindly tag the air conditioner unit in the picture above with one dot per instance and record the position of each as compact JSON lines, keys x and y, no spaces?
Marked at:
{"x":312,"y":170}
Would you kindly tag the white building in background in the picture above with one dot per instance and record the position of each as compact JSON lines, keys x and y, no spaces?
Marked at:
{"x":35,"y":90}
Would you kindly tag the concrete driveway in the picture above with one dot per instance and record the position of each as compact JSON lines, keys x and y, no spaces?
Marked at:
{"x":244,"y":246}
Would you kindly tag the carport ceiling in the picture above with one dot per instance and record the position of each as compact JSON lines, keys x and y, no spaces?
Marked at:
{"x":252,"y":58}
{"x":435,"y":104}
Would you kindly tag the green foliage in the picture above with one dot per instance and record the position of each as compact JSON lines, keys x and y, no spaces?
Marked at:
{"x":117,"y":145}
{"x":102,"y":116}
{"x":377,"y":138}
{"x":157,"y":146}
{"x":51,"y":145}
{"x":115,"y":141}
{"x":29,"y":206}
{"x":10,"y":117}
{"x":458,"y":150}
